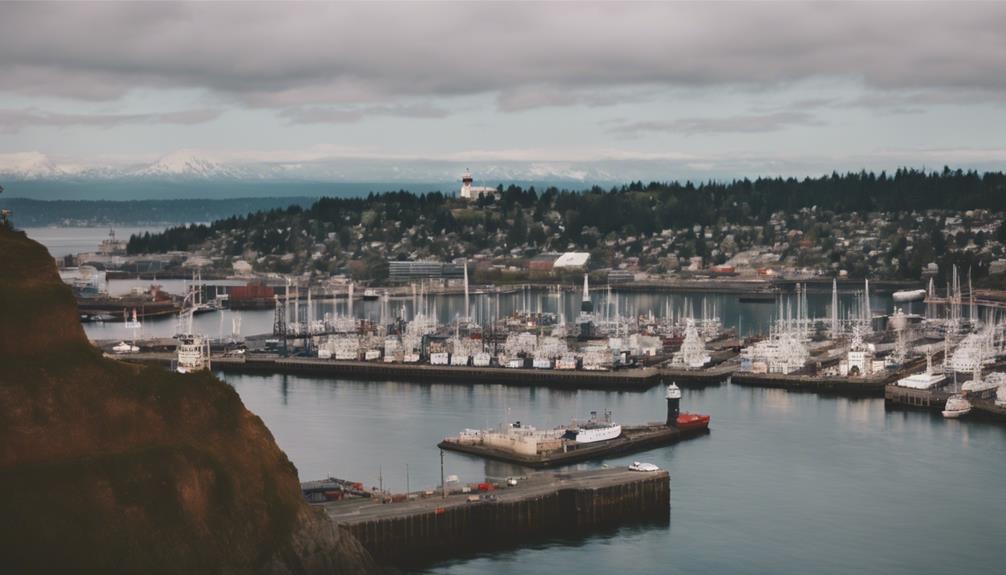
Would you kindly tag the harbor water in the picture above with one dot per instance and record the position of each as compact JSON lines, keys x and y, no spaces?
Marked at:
{"x":784,"y":483}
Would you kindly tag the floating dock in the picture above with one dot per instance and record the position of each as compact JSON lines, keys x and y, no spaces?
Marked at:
{"x":621,"y":379}
{"x":543,"y":505}
{"x":633,"y":439}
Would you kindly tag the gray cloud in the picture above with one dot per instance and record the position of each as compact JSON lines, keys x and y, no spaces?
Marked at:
{"x":13,"y":120}
{"x":336,"y":115}
{"x":529,"y":55}
{"x":748,"y":123}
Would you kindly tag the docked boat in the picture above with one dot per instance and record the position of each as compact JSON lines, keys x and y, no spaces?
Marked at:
{"x":644,"y":467}
{"x":123,"y":347}
{"x":692,"y":422}
{"x":957,"y":406}
{"x":594,"y":430}
{"x":370,"y":295}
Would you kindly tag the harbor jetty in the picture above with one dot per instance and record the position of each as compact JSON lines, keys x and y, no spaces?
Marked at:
{"x":434,"y":526}
{"x":579,"y":441}
{"x":616,"y":379}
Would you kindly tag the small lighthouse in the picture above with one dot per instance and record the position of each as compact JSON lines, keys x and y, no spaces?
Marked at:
{"x":673,"y":404}
{"x":466,"y":186}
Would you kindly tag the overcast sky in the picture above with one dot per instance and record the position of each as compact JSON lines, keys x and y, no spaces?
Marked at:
{"x":644,"y":90}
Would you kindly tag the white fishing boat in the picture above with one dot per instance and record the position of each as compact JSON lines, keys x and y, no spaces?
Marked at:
{"x":956,"y":406}
{"x":644,"y":467}
{"x":594,"y":429}
{"x":123,"y":347}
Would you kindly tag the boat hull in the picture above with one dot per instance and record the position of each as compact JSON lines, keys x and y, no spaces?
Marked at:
{"x":692,"y":422}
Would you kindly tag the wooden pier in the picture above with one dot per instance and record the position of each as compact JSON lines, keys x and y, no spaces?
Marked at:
{"x":633,"y":439}
{"x":541,"y":506}
{"x":935,"y":400}
{"x":633,"y":379}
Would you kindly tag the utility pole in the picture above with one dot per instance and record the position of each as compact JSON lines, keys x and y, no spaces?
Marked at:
{"x":443,"y":483}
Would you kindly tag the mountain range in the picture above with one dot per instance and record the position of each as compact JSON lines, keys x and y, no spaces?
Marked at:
{"x":188,"y":166}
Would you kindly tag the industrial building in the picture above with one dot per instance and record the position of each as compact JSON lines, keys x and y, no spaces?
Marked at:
{"x":407,"y":271}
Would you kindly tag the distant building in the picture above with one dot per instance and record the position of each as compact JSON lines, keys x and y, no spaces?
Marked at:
{"x":404,"y":272}
{"x":242,"y":268}
{"x":572,"y":261}
{"x":470,"y":192}
{"x":542,"y":262}
{"x":997,"y":267}
{"x":620,"y":276}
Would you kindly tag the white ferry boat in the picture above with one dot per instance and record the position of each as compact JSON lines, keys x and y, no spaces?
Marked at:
{"x":594,"y":429}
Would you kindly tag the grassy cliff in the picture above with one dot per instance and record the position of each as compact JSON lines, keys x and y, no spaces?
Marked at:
{"x":108,"y":467}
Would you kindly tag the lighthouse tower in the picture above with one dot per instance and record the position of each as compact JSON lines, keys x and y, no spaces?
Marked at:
{"x":466,"y":186}
{"x":673,"y":404}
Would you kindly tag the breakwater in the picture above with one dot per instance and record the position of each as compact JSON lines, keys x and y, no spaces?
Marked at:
{"x":621,"y":379}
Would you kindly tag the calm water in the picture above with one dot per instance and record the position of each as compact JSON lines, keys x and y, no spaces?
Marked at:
{"x":785,"y":483}
{"x":73,"y":240}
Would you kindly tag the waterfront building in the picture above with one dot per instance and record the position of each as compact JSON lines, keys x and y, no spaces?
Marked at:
{"x":407,"y":271}
{"x":472,"y":192}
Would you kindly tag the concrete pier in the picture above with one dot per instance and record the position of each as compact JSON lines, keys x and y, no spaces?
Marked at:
{"x":543,"y":505}
{"x":633,"y":439}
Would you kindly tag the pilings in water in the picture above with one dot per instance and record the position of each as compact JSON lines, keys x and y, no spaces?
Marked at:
{"x":544,"y":505}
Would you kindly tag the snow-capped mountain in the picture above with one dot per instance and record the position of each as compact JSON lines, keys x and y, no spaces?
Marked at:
{"x":29,"y":166}
{"x":188,"y":165}
{"x":191,"y":165}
